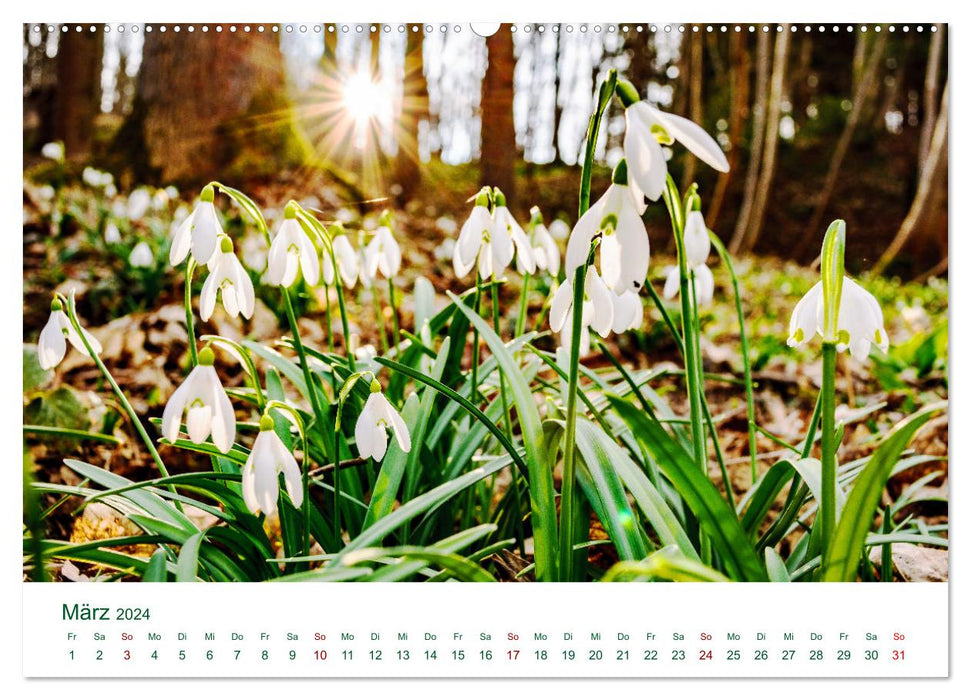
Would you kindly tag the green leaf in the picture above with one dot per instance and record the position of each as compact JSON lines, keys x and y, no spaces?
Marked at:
{"x":188,"y":559}
{"x":775,"y":566}
{"x":34,"y":376}
{"x":605,"y":493}
{"x":246,"y":204}
{"x":156,"y":572}
{"x":59,"y":409}
{"x":668,"y":564}
{"x":702,"y":498}
{"x":541,"y":497}
{"x":458,"y":566}
{"x":416,"y":506}
{"x":840,"y":562}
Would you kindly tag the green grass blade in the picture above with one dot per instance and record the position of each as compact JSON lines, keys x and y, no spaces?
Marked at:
{"x":188,"y":562}
{"x":699,"y":494}
{"x":841,"y":561}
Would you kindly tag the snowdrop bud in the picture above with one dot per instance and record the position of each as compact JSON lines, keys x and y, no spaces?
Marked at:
{"x":112,"y":234}
{"x":697,"y":244}
{"x":53,"y":150}
{"x":267,"y":460}
{"x":831,"y":271}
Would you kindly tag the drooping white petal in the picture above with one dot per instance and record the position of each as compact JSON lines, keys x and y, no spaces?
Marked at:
{"x":309,"y":263}
{"x":561,"y":304}
{"x":635,"y":248}
{"x":397,"y":424}
{"x":704,"y":284}
{"x":286,"y":463}
{"x":472,"y":235}
{"x":245,"y":294}
{"x":524,"y":252}
{"x":588,"y":226}
{"x":181,"y":242}
{"x":249,"y":482}
{"x":628,"y":312}
{"x":205,"y":230}
{"x":207,"y":297}
{"x":223,"y":419}
{"x":672,"y":282}
{"x":502,"y":247}
{"x":550,"y":250}
{"x":646,"y":166}
{"x":265,"y":485}
{"x":694,"y":138}
{"x":346,"y":260}
{"x":806,"y":318}
{"x":174,"y":408}
{"x":600,"y":302}
{"x":365,"y":428}
{"x":51,"y":345}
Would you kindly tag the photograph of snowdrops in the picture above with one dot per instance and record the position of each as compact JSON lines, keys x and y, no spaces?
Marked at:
{"x":509,"y":303}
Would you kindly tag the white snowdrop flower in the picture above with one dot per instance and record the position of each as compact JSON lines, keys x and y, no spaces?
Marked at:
{"x":371,"y":429}
{"x":292,"y":251}
{"x":859,"y":323}
{"x":198,"y":233}
{"x":625,"y":250}
{"x":598,"y":306}
{"x":347,"y":262}
{"x":141,"y":255}
{"x":206,"y":406}
{"x":704,"y":283}
{"x":546,"y":253}
{"x":447,"y":225}
{"x":172,"y":191}
{"x":96,"y":178}
{"x":648,"y":128}
{"x":480,"y":241}
{"x":267,"y":460}
{"x":46,"y":192}
{"x":366,"y":353}
{"x":112,"y":234}
{"x":229,"y":279}
{"x":53,"y":150}
{"x":445,"y":250}
{"x":345,"y":216}
{"x":628,"y":312}
{"x":382,"y":254}
{"x":138,"y":203}
{"x":52,"y":343}
{"x":566,"y":339}
{"x":110,"y":190}
{"x":697,"y":244}
{"x":502,"y":218}
{"x":559,"y":229}
{"x":118,"y":209}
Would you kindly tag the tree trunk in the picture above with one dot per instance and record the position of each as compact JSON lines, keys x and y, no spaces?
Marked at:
{"x":930,"y":93}
{"x":738,"y":72}
{"x":414,"y":109}
{"x":932,"y":186}
{"x":210,"y":106}
{"x":762,"y":62}
{"x":813,"y":232}
{"x":696,"y":74}
{"x":771,"y":137}
{"x":78,"y":89}
{"x":557,"y":106}
{"x":498,"y":128}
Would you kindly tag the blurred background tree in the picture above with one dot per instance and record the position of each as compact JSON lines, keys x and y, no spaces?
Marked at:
{"x":816,"y":124}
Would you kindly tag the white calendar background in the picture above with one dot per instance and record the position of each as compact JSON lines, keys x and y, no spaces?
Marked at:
{"x":469,"y":630}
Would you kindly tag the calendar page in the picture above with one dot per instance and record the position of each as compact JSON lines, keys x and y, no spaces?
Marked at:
{"x":499,"y":350}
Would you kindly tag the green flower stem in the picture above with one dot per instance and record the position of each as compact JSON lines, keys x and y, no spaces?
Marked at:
{"x":693,"y":379}
{"x":827,"y":506}
{"x":746,"y":361}
{"x":327,"y":319}
{"x":379,"y":318}
{"x":523,"y":306}
{"x":345,"y":326}
{"x":568,"y":486}
{"x":476,"y":306}
{"x":122,"y":399}
{"x":308,"y":378}
{"x":189,"y":319}
{"x":394,"y":315}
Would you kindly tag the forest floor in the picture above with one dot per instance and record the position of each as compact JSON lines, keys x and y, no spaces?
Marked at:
{"x":138,"y":316}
